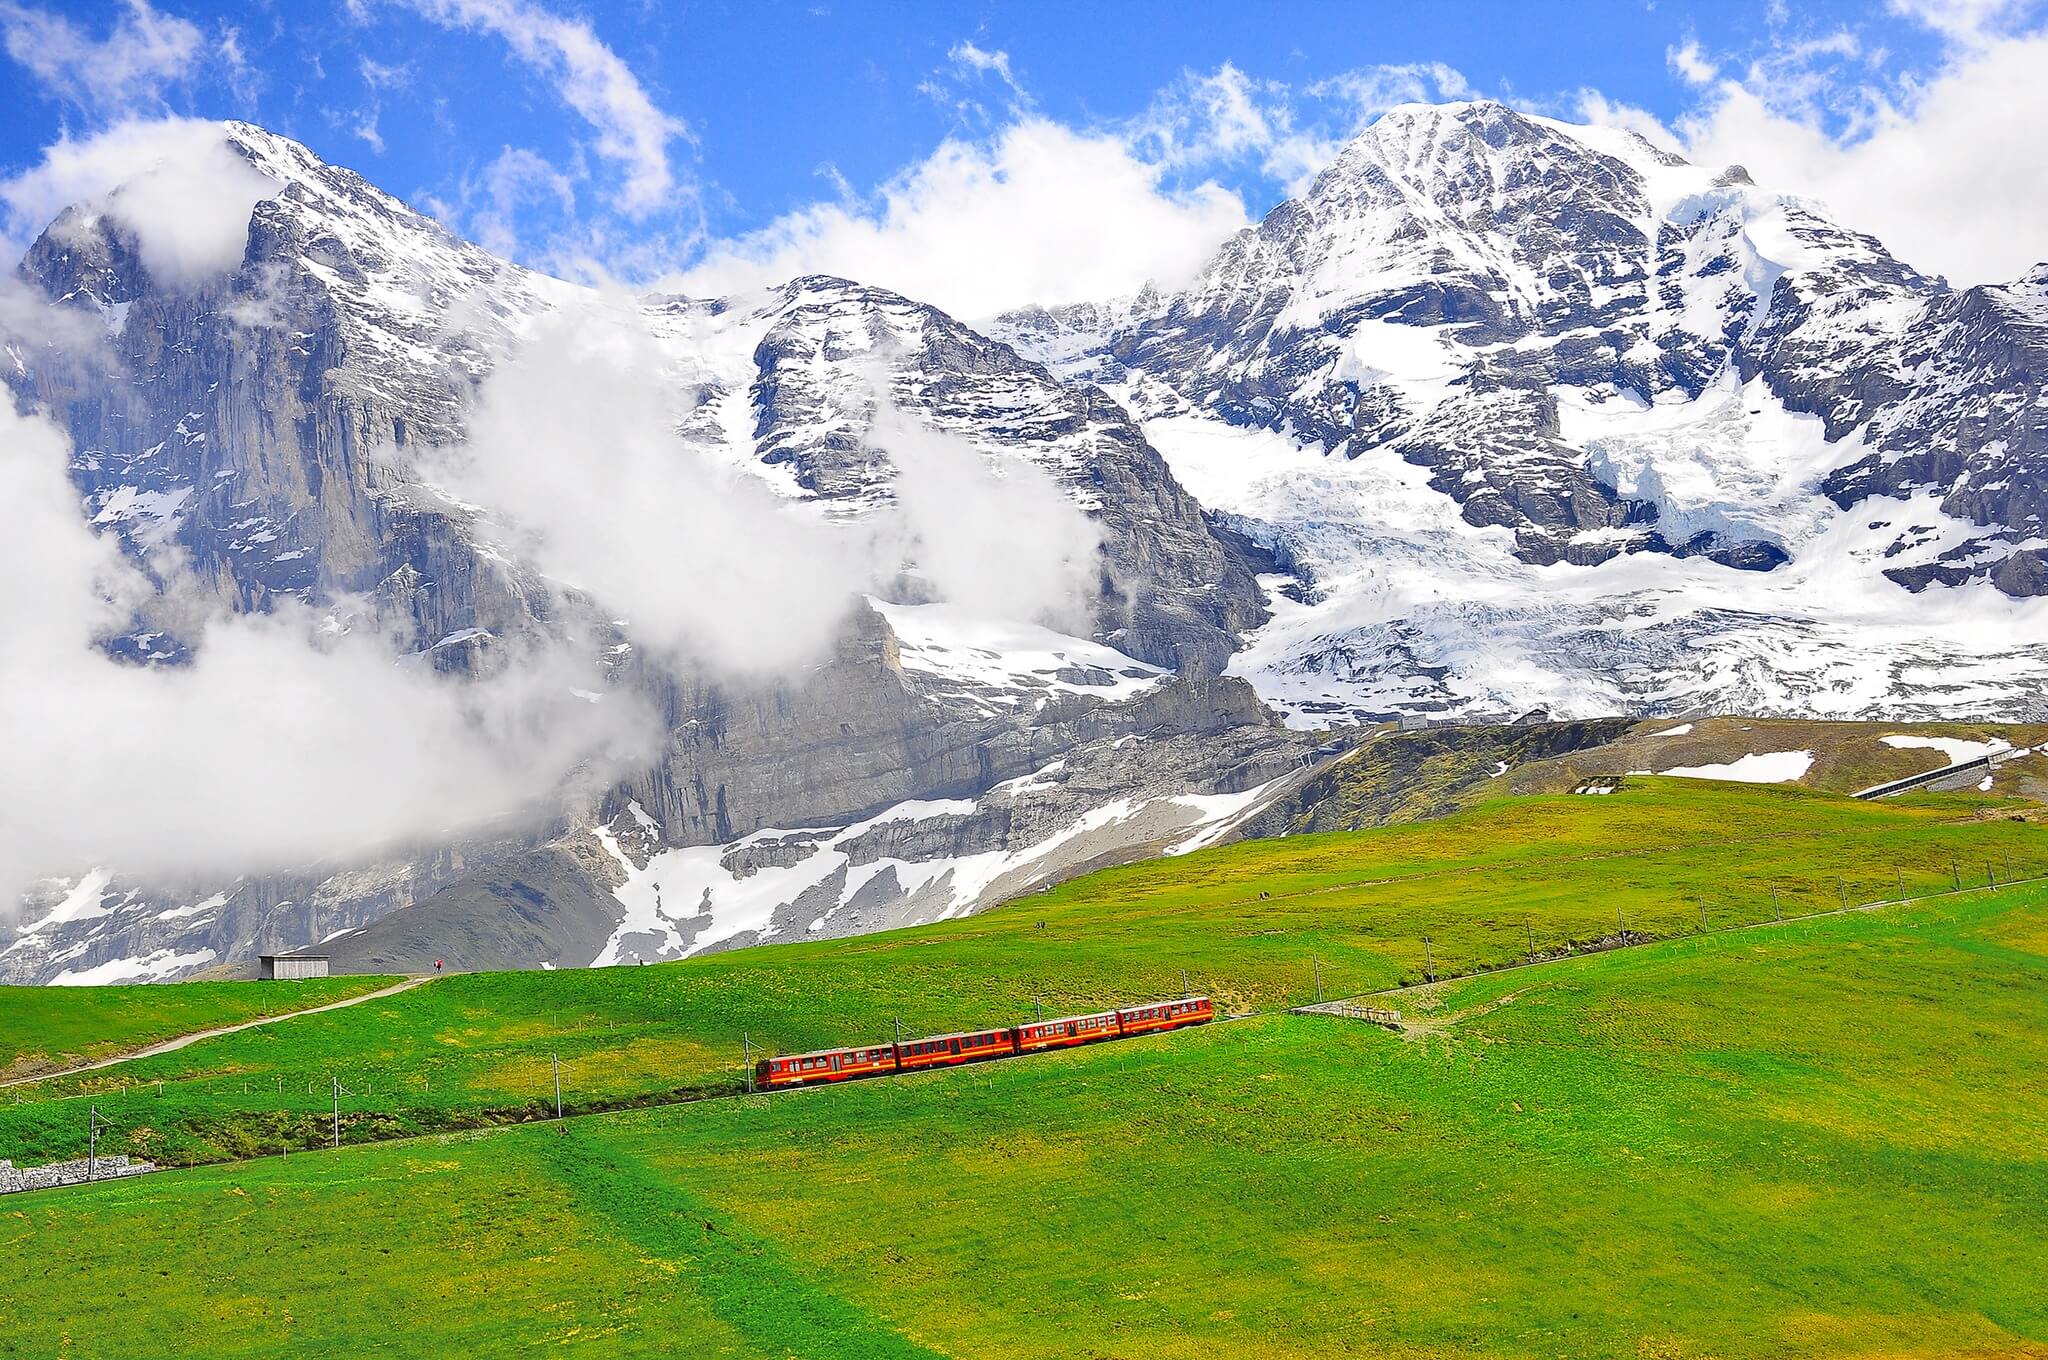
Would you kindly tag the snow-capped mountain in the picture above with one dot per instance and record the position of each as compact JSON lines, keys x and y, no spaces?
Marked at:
{"x":1542,"y":416}
{"x":1502,"y":414}
{"x":274,"y":426}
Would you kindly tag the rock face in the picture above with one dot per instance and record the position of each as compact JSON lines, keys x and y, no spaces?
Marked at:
{"x":802,"y":377}
{"x":270,"y":425}
{"x":1589,"y":351}
{"x":244,"y":420}
{"x":1087,"y":783}
{"x":1972,"y":429}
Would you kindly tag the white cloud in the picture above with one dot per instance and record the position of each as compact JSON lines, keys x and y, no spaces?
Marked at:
{"x":1965,"y":21}
{"x":366,"y":129}
{"x":174,"y":183}
{"x":1289,"y":133}
{"x":967,"y":55}
{"x":1223,"y":116}
{"x":574,"y":460}
{"x":992,"y":533}
{"x":143,"y":51}
{"x":632,"y":131}
{"x":1040,"y":213}
{"x":515,"y":178}
{"x":281,"y":744}
{"x":1692,"y":63}
{"x":1371,"y":90}
{"x":377,"y":78}
{"x":1044,"y":213}
{"x":572,"y":451}
{"x":1928,"y":168}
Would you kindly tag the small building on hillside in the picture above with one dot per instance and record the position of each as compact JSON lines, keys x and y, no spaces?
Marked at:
{"x":291,"y":967}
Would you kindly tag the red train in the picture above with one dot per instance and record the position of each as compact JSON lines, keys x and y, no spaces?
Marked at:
{"x":950,"y":1050}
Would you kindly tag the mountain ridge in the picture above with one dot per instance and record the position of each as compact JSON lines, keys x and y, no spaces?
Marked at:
{"x":1503,"y":415}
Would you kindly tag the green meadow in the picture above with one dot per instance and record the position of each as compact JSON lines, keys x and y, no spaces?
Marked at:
{"x":1819,"y":1138}
{"x":1255,"y":924}
{"x":49,"y":1028}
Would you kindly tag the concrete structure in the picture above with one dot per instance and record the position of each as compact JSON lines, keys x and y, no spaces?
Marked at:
{"x":292,"y":967}
{"x":1949,"y":778}
{"x":14,"y":1179}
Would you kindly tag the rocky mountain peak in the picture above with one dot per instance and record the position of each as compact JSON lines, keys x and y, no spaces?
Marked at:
{"x":1502,"y":413}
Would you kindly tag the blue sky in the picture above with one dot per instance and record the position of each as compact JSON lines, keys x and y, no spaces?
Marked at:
{"x":635,"y":139}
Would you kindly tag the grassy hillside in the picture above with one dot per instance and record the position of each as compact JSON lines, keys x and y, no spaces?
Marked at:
{"x":1249,"y":923}
{"x":47,"y":1028}
{"x":1811,"y":1139}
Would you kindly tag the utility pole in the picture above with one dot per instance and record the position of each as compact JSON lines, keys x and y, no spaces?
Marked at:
{"x":1703,"y":912}
{"x":1530,"y":931}
{"x":558,"y":1085}
{"x":1899,"y":876}
{"x":92,"y":1142}
{"x":1185,"y":993}
{"x":747,"y":1059}
{"x":1428,"y":961}
{"x":337,"y":1107}
{"x":1621,"y":925}
{"x":1955,"y":873}
{"x":1777,"y":913}
{"x":1038,"y":1004}
{"x":1842,"y":887}
{"x":1319,"y":976}
{"x":899,"y":1034}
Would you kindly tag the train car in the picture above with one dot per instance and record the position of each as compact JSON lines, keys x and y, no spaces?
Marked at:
{"x":1068,"y":1031}
{"x":1164,"y":1015}
{"x":830,"y":1064}
{"x":950,"y":1050}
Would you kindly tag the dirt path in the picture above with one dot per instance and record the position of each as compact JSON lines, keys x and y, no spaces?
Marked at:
{"x":183,"y":1040}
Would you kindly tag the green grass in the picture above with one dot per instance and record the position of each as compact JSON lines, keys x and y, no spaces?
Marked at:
{"x":46,"y":1028}
{"x":1812,"y":1139}
{"x":1249,"y":923}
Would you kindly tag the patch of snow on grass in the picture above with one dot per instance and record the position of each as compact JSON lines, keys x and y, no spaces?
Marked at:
{"x":1956,"y":749}
{"x":1767,"y":767}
